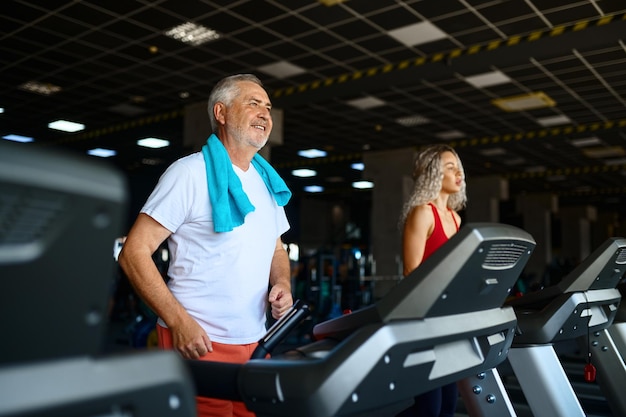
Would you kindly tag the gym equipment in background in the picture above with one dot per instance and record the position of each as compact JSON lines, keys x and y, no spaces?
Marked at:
{"x":583,"y":303}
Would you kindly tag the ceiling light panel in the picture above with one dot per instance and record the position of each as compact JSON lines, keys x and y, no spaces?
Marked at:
{"x":450,"y":135}
{"x":101,"y":152}
{"x":192,"y":34}
{"x":582,"y":142}
{"x":488,"y":79}
{"x":604,"y":152}
{"x":44,"y":89}
{"x":282,"y":69}
{"x":414,"y":120}
{"x":524,"y":102}
{"x":304,"y":173}
{"x":312,"y":153}
{"x":362,"y":185}
{"x":554,"y":121}
{"x":154,"y":143}
{"x":365,"y":103}
{"x":417,"y":34}
{"x":66,"y":126}
{"x":18,"y":138}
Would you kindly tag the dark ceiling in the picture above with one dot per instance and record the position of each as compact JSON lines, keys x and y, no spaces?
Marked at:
{"x":124,"y":79}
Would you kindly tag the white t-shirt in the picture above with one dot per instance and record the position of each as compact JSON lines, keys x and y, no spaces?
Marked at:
{"x":220,"y":278}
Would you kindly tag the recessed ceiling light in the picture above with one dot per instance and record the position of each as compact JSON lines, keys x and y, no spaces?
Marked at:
{"x":410,"y":121}
{"x":604,"y":152}
{"x":554,"y":121}
{"x":312,"y":153}
{"x":524,"y":102}
{"x":101,"y":152}
{"x":582,"y":142}
{"x":450,"y":134}
{"x":417,"y":33}
{"x":192,"y":34}
{"x":313,"y":188}
{"x":281,"y":69}
{"x":304,"y":173}
{"x":154,"y":143}
{"x":18,"y":138}
{"x":359,"y":166}
{"x":364,"y":103}
{"x":66,"y":126}
{"x":362,"y":185}
{"x":488,"y":79}
{"x":45,"y":89}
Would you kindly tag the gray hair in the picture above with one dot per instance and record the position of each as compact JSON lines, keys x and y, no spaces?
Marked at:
{"x":225,"y":92}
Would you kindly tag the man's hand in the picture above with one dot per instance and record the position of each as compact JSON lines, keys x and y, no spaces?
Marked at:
{"x":280,"y":300}
{"x":190,"y":339}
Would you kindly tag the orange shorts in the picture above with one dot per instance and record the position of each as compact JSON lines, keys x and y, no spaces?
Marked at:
{"x":212,"y":407}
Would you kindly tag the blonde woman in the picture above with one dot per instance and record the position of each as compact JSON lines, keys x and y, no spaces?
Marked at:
{"x":429,"y":218}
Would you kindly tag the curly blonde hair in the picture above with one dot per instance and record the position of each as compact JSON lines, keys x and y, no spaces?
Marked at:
{"x":428,"y":177}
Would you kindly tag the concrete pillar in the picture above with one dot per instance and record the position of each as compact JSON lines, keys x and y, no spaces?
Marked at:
{"x":536,"y":210}
{"x":197,"y":127}
{"x":576,"y":232}
{"x":391,"y":173}
{"x":607,"y":225}
{"x":483,"y":198}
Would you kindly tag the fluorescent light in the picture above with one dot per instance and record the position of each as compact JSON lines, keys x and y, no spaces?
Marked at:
{"x":604,"y":152}
{"x":1,"y":109}
{"x":362,"y":185}
{"x":18,"y":138}
{"x":488,"y":79}
{"x":410,"y":121}
{"x":364,"y":103}
{"x":554,"y":120}
{"x":282,"y":69}
{"x":313,"y":188}
{"x":45,"y":89}
{"x":524,"y":102}
{"x":102,"y":153}
{"x":303,"y":173}
{"x":493,"y":152}
{"x":450,"y":134}
{"x":417,"y":33}
{"x":192,"y":34}
{"x":582,"y":142}
{"x":312,"y":153}
{"x":66,"y":126}
{"x":359,"y":166}
{"x":154,"y":143}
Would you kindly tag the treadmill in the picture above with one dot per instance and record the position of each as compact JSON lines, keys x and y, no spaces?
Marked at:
{"x":607,"y":347}
{"x":59,"y":217}
{"x":441,"y":323}
{"x":581,"y":307}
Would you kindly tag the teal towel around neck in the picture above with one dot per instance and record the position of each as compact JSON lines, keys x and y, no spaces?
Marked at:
{"x":229,"y":202}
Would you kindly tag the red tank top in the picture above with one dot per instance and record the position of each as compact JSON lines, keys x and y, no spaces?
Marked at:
{"x":438,"y":237}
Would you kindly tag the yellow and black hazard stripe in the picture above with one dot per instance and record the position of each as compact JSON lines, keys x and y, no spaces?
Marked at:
{"x":447,"y":56}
